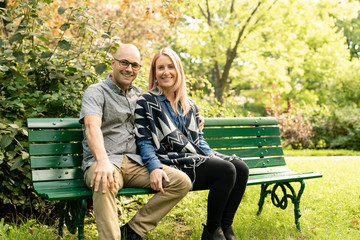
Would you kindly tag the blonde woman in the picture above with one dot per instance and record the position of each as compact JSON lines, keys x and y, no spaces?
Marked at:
{"x":167,"y":132}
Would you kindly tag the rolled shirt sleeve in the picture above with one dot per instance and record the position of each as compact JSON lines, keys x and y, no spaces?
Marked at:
{"x":147,"y":153}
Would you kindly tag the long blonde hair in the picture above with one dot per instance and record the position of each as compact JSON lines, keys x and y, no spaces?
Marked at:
{"x":179,"y":87}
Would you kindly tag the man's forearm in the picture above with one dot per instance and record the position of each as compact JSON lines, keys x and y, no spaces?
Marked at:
{"x":95,"y":141}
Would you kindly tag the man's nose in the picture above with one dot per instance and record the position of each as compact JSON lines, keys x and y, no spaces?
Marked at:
{"x":129,"y":69}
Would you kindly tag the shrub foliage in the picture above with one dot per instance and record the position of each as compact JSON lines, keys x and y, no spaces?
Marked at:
{"x":42,"y":74}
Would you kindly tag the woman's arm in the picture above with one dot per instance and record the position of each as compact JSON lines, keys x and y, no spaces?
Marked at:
{"x":147,"y":148}
{"x":147,"y":153}
{"x":204,"y":146}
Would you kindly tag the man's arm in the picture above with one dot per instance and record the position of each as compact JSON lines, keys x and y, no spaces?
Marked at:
{"x":105,"y":171}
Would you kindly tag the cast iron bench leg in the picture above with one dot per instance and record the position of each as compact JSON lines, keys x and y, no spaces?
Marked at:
{"x":263,"y":193}
{"x":61,"y":218}
{"x":296,"y":201}
{"x":81,"y":219}
{"x":282,"y":202}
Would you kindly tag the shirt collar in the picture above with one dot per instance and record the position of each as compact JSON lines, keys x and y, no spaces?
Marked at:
{"x":115,"y":87}
{"x":162,"y":98}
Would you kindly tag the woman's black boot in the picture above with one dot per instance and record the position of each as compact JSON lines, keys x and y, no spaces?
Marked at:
{"x":229,"y":233}
{"x":216,"y":235}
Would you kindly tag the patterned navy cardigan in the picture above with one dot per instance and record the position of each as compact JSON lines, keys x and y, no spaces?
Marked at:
{"x":172,"y":147}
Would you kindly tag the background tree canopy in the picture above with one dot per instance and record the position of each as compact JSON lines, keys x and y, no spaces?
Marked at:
{"x":295,"y":60}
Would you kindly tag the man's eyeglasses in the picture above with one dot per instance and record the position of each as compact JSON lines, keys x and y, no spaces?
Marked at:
{"x":125,"y":63}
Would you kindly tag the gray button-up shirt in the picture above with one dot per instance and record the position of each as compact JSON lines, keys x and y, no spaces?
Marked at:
{"x":116,"y":109}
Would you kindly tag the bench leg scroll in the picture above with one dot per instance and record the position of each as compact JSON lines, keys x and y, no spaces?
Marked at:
{"x":72,"y":212}
{"x":283,"y":201}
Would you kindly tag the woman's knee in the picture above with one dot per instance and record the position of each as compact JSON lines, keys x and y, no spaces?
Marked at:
{"x":229,"y":171}
{"x":241,"y":167}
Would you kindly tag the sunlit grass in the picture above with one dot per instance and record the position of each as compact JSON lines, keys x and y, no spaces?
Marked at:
{"x":330,"y":208}
{"x":322,"y":152}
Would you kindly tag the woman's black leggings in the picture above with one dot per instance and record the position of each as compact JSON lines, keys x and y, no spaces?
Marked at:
{"x":227,"y":182}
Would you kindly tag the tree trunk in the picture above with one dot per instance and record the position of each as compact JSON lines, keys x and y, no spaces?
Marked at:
{"x":4,"y":5}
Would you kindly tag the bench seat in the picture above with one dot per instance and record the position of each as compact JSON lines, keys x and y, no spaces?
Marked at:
{"x":56,"y":154}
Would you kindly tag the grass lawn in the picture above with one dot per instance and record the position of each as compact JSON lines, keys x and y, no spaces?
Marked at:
{"x":330,"y":209}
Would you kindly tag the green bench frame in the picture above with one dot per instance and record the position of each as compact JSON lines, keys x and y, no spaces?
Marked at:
{"x":56,"y":154}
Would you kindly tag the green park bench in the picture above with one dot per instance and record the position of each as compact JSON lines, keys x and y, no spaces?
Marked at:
{"x":56,"y":154}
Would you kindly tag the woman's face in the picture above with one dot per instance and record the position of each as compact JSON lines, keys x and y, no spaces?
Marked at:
{"x":165,"y":72}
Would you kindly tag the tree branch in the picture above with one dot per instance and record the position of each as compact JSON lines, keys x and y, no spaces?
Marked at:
{"x":208,"y":15}
{"x":232,"y":6}
{"x":208,"y":12}
{"x":202,"y":11}
{"x":241,"y":32}
{"x":258,"y":20}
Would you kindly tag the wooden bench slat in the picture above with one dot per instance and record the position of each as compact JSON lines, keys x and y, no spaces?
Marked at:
{"x":253,"y":152}
{"x":55,"y":135}
{"x":275,"y":178}
{"x":248,"y":121}
{"x":53,"y":123}
{"x":57,"y":174}
{"x":55,"y":161}
{"x":73,"y":183}
{"x":67,"y":194}
{"x":240,"y":131}
{"x":268,"y":170}
{"x":265,"y":162}
{"x":55,"y":149}
{"x":243,"y":142}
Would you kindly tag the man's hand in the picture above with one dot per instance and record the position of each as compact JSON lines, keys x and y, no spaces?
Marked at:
{"x":156,"y":177}
{"x":105,"y":172}
{"x":201,"y":122}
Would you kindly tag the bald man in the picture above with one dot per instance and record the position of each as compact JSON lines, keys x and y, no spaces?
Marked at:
{"x":110,"y":160}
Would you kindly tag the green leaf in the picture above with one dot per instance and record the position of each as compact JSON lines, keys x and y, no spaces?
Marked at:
{"x":106,"y":35}
{"x":7,"y":52}
{"x":4,"y":68}
{"x":44,"y":39}
{"x":65,"y":27}
{"x":63,"y":44}
{"x":1,"y":157}
{"x":18,"y":163}
{"x":19,"y":56}
{"x":15,"y":126}
{"x":46,"y":54}
{"x":16,"y":37}
{"x":100,"y":68}
{"x":24,"y":155}
{"x":61,"y":10}
{"x":6,"y":140}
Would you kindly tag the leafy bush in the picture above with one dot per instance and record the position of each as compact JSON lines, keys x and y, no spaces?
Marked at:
{"x":337,"y":128}
{"x":42,"y":74}
{"x":202,"y":92}
{"x":295,"y":130}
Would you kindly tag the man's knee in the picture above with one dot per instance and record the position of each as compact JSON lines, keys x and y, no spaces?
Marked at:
{"x":180,"y":182}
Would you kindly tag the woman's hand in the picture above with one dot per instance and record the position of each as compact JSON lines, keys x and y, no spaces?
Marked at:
{"x":201,"y":122}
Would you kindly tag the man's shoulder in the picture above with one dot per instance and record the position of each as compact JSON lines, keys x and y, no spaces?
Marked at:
{"x":96,"y":86}
{"x":148,"y":95}
{"x":137,"y":90}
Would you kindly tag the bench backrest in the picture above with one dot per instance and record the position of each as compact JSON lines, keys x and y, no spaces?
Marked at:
{"x":55,"y":152}
{"x":255,"y":140}
{"x":56,"y":146}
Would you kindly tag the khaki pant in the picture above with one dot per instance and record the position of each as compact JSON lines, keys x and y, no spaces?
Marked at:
{"x":133,"y":174}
